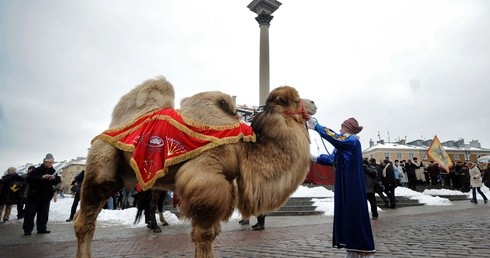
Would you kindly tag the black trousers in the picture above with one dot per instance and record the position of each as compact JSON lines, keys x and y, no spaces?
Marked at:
{"x":41,"y":208}
{"x":20,"y":208}
{"x":381,"y":194}
{"x":74,"y":205}
{"x":477,"y":189}
{"x":374,"y":207}
{"x":412,"y":181}
{"x":390,"y":192}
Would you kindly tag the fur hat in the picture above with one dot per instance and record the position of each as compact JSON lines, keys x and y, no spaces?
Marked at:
{"x":49,"y":156}
{"x":352,"y":126}
{"x":11,"y":170}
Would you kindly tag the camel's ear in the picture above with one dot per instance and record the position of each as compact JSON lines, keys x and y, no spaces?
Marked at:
{"x":278,"y":100}
{"x":283,"y":96}
{"x":282,"y":100}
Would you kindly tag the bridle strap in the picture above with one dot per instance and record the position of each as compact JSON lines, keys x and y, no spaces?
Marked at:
{"x":301,"y":111}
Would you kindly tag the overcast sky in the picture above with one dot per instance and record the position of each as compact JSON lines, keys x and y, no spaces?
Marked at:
{"x":412,"y":68}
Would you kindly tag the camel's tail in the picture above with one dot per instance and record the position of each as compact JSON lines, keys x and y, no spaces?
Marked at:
{"x":144,"y":199}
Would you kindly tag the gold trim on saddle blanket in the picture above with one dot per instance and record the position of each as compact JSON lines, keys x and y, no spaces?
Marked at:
{"x":164,"y":137}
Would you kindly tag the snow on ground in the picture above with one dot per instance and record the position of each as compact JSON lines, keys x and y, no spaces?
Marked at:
{"x":322,"y":197}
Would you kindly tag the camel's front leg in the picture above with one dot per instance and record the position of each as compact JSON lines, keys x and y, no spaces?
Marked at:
{"x":99,"y":183}
{"x":203,"y":239}
{"x":85,"y":227}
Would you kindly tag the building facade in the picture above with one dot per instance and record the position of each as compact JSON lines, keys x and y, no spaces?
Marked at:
{"x":69,"y":171}
{"x":456,"y":150}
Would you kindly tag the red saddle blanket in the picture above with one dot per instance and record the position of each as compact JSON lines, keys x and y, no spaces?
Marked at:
{"x":163,"y":138}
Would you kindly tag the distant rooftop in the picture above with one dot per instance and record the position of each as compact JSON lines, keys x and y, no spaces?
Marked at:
{"x":459,"y":145}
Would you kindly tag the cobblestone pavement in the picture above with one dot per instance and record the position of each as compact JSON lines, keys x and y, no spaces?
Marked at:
{"x":459,"y":230}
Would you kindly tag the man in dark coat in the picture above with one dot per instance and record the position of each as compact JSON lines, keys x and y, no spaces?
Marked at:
{"x":23,"y":194}
{"x":379,"y":187}
{"x":76,"y":186}
{"x":11,"y":183}
{"x":371,"y":180}
{"x":412,"y":178}
{"x":41,"y":190}
{"x":389,"y":182}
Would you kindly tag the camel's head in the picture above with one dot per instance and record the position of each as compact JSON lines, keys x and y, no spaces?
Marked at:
{"x":283,"y":107}
{"x":310,"y":107}
{"x":286,"y":100}
{"x":210,"y":107}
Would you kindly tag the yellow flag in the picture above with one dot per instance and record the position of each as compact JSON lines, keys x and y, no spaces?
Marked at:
{"x":439,"y":155}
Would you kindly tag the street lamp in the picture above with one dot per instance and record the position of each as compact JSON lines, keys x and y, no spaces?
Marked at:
{"x":264,"y":9}
{"x":467,"y":152}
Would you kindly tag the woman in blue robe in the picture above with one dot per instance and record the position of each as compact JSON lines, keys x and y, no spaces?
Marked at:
{"x":351,"y":223}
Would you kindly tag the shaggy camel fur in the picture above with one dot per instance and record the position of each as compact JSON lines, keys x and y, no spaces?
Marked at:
{"x":253,"y":177}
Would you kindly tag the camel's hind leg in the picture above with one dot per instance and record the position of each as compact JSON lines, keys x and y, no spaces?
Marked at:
{"x":203,"y":238}
{"x":207,"y":197}
{"x":99,"y":182}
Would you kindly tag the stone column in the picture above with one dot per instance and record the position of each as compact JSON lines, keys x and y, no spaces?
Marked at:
{"x":264,"y":9}
{"x":264,"y":71}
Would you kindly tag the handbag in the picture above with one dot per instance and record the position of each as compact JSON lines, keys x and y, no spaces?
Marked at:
{"x":14,"y":188}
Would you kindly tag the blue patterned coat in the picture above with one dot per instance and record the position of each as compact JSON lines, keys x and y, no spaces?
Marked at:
{"x":351,"y":222}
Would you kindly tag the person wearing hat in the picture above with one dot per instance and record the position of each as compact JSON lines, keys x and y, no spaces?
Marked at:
{"x":351,"y":223}
{"x":41,"y":181}
{"x":10,"y":184}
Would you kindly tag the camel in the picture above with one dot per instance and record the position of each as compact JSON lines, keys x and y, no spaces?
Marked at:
{"x":253,"y":177}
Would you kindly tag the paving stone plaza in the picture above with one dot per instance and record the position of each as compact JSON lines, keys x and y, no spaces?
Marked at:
{"x":459,"y":230}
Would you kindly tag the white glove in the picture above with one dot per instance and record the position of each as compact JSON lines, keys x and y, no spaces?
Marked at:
{"x":311,"y":123}
{"x":313,"y":158}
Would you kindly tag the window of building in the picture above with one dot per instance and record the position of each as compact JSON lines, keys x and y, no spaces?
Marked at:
{"x":386,"y":154}
{"x":410,"y":155}
{"x":424,"y":156}
{"x":399,"y":155}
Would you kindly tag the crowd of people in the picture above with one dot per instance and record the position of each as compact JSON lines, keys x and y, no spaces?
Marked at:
{"x":384,"y":177}
{"x":356,"y":179}
{"x":31,"y":193}
{"x":412,"y":174}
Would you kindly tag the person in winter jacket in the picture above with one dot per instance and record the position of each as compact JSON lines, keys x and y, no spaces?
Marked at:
{"x":76,"y":186}
{"x":41,"y":190}
{"x":486,"y":175}
{"x":23,"y":194}
{"x":11,"y":183}
{"x":476,"y":182}
{"x":371,"y":177}
{"x":403,"y":174}
{"x":379,"y":188}
{"x":389,"y":182}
